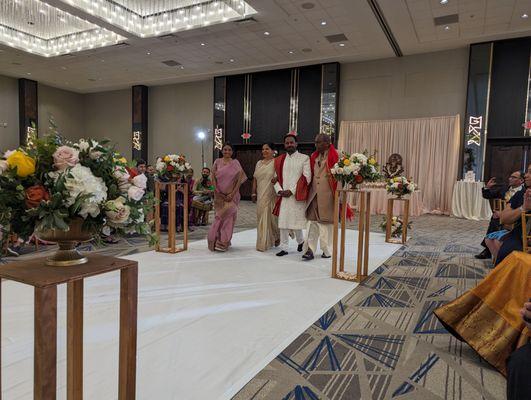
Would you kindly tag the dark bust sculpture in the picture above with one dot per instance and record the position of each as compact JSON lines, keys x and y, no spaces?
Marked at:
{"x":393,"y":167}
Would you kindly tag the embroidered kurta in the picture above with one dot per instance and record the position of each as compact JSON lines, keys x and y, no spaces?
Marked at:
{"x":321,"y":198}
{"x":292,"y":212}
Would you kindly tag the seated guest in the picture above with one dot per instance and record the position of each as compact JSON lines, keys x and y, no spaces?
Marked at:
{"x":490,"y":192}
{"x":512,"y":215}
{"x":141,"y":166}
{"x":519,"y":364}
{"x":486,"y":317}
{"x":202,"y":201}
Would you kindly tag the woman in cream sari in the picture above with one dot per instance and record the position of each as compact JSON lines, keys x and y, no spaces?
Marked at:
{"x":264,"y":196}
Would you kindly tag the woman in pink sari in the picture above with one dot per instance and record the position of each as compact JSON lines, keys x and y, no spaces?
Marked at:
{"x":227,"y":176}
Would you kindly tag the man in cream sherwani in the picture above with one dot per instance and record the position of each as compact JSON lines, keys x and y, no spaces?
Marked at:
{"x":289,"y":168}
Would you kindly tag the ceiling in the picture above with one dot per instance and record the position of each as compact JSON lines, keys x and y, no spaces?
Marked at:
{"x":283,"y":33}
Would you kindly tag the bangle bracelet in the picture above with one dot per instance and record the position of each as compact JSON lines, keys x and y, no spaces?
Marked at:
{"x":253,"y":195}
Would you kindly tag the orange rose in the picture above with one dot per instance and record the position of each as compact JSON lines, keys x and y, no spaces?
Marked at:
{"x":35,"y":194}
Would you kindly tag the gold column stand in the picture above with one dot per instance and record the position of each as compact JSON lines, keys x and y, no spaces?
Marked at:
{"x":405,"y":221}
{"x":172,"y":188}
{"x":363,"y":236}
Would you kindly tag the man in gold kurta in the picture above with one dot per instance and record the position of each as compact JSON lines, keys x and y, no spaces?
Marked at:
{"x":320,"y":206}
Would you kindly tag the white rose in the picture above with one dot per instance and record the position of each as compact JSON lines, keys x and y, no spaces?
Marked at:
{"x":8,"y":153}
{"x":181,"y":168}
{"x":187,"y":165}
{"x":160,"y":166}
{"x":121,"y":174}
{"x":140,"y":181}
{"x":340,"y":171}
{"x":83,"y":145}
{"x":117,"y":211}
{"x":3,"y":166}
{"x":95,"y":154}
{"x":135,"y":193}
{"x":174,"y":157}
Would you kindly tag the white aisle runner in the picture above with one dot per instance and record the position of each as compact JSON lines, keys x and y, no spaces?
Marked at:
{"x":207,"y":322}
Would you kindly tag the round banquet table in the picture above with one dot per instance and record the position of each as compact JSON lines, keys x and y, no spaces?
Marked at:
{"x":467,"y":201}
{"x":379,"y":197}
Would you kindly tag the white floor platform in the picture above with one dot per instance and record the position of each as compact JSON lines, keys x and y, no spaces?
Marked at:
{"x":207,"y":322}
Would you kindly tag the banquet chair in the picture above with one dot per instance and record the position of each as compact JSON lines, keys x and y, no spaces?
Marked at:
{"x":499,"y":205}
{"x":526,"y":232}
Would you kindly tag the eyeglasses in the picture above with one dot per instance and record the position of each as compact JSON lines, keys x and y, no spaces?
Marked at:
{"x":515,"y":177}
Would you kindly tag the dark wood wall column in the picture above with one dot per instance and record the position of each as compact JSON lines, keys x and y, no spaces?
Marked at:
{"x":27,"y":109}
{"x":140,"y":122}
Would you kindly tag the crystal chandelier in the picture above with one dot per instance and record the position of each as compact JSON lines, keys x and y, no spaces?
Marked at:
{"x":49,"y":30}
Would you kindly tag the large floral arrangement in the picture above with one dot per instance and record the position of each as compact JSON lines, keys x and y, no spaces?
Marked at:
{"x":172,"y":166}
{"x":397,"y":226}
{"x":400,"y":186}
{"x":51,"y":181}
{"x":356,"y":168}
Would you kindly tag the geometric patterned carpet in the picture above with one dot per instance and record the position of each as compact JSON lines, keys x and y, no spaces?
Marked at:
{"x":381,"y":341}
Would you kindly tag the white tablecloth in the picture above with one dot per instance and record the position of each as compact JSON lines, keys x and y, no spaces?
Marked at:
{"x":467,"y":201}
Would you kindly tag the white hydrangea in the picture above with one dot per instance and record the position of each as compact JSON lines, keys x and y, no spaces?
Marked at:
{"x":80,"y":181}
{"x":159,"y":166}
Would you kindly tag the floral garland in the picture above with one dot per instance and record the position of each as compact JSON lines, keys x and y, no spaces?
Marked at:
{"x":356,"y":168}
{"x":400,"y":186}
{"x":51,"y":181}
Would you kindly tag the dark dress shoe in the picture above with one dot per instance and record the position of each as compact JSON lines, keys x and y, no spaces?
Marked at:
{"x":300,"y":247}
{"x":308,"y":256}
{"x":282,"y":253}
{"x":484,"y":255}
{"x":325,"y":256}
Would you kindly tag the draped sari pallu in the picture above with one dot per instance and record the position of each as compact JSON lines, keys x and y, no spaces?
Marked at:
{"x":228,"y":180}
{"x":487,"y":317}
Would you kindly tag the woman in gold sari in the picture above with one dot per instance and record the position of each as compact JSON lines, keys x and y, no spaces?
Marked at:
{"x":488,"y":316}
{"x":264,"y":196}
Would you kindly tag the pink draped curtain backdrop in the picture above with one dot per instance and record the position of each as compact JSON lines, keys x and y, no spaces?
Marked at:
{"x":429,"y":148}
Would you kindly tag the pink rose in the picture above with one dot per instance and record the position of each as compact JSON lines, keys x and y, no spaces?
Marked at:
{"x":135,"y":193}
{"x":65,"y":157}
{"x":140,"y":181}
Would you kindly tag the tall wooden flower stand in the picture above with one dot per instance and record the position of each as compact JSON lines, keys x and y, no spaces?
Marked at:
{"x":172,"y":188}
{"x":45,"y":281}
{"x":362,"y":261}
{"x":405,"y":220}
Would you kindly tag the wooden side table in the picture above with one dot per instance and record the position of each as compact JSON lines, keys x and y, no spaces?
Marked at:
{"x":389,"y":217}
{"x":45,"y":280}
{"x":362,"y":270}
{"x":172,"y":188}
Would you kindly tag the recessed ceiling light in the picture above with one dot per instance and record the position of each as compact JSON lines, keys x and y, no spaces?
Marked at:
{"x":28,"y":73}
{"x":524,"y":16}
{"x":231,"y":60}
{"x":446,"y":28}
{"x":203,"y":44}
{"x":148,"y":53}
{"x":341,"y":44}
{"x":181,"y":67}
{"x":266,"y":33}
{"x":63,"y":68}
{"x":323,"y":23}
{"x":291,"y":52}
{"x":444,"y":1}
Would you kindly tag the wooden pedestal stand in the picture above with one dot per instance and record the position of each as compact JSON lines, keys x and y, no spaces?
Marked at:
{"x":172,"y":188}
{"x":363,"y":236}
{"x":45,"y":281}
{"x":405,"y":221}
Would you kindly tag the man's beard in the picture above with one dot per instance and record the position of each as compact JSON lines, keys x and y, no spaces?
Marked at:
{"x":291,"y":150}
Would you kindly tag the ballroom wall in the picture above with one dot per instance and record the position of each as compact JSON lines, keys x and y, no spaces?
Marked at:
{"x":67,"y":109}
{"x":8,"y":112}
{"x":424,"y":85}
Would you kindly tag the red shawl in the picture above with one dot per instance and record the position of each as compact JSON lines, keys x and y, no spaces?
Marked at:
{"x":333,"y":158}
{"x":302,"y":185}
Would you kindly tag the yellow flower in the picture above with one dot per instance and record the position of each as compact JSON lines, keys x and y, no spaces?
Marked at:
{"x":167,"y":159}
{"x":123,"y":160}
{"x":346,"y":161}
{"x":396,"y":179}
{"x":24,"y":163}
{"x":372,"y":161}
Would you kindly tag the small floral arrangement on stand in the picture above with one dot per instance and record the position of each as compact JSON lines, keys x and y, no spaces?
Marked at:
{"x":56,"y":188}
{"x":172,"y":167}
{"x":400,"y":186}
{"x":397,"y":226}
{"x":355,"y":169}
